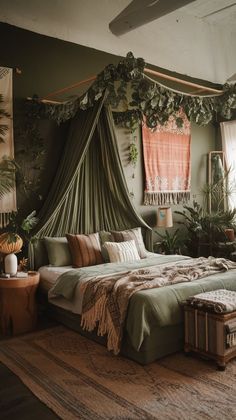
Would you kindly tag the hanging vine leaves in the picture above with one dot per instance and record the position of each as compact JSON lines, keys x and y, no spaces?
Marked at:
{"x":150,"y":101}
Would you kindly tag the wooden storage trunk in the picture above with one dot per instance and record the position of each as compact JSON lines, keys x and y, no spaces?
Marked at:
{"x":206,"y":334}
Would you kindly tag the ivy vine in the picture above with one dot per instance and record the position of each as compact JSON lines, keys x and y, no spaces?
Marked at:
{"x":149,"y":100}
{"x":29,"y":159}
{"x":133,"y":154}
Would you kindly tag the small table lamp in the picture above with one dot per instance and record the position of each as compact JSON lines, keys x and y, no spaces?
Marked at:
{"x":164,"y":217}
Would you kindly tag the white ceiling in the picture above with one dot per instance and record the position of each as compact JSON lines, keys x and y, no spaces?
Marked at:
{"x":193,"y":40}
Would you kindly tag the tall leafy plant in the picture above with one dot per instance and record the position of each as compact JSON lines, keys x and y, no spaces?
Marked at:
{"x":205,"y":229}
{"x":171,"y":243}
{"x":7,"y":176}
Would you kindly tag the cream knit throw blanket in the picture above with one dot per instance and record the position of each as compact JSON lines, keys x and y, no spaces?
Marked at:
{"x":106,"y":298}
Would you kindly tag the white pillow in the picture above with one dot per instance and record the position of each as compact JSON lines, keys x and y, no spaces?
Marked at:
{"x":129,"y":235}
{"x":122,"y":251}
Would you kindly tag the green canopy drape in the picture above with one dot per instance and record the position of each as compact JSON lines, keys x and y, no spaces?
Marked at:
{"x":89,"y":192}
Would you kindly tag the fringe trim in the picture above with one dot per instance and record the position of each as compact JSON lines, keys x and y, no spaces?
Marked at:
{"x":99,"y":313}
{"x":4,"y":219}
{"x":160,"y":198}
{"x":231,"y":340}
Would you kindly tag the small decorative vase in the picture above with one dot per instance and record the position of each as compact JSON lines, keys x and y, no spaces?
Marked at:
{"x":10,"y":264}
{"x":230,"y":234}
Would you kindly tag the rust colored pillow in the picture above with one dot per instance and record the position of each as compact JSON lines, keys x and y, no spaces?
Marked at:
{"x":85,"y":249}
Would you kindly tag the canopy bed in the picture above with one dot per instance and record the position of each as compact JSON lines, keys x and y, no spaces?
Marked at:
{"x":89,"y":194}
{"x":153,"y":324}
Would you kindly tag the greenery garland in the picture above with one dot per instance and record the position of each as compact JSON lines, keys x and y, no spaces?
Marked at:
{"x":151,"y":101}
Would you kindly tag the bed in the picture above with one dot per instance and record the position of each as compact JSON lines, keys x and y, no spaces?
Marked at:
{"x":154,"y":322}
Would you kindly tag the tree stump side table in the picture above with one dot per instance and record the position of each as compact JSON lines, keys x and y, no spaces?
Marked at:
{"x":18,"y":309}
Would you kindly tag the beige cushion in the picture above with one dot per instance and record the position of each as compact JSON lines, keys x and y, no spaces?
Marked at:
{"x":85,"y":249}
{"x":122,"y":251}
{"x":105,"y":236}
{"x":131,"y":234}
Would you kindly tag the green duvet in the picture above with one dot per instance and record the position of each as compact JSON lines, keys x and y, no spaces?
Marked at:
{"x":148,"y":308}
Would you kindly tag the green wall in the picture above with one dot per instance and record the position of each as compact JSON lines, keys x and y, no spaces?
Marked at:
{"x":49,"y":64}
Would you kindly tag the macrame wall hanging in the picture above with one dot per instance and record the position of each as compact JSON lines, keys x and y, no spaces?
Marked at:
{"x":8,"y":199}
{"x":167,"y":161}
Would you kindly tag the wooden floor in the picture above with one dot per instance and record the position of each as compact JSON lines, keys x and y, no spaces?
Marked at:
{"x":16,"y":401}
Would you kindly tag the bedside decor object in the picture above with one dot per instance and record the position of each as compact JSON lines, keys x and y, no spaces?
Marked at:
{"x":164,"y":217}
{"x":21,"y":274}
{"x":16,"y":233}
{"x":230,"y":234}
{"x":23,"y":263}
{"x":10,"y":264}
{"x":9,"y":244}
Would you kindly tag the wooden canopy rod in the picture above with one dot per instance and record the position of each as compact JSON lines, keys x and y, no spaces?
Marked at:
{"x":57,"y":92}
{"x":183,"y":82}
{"x":153,"y":72}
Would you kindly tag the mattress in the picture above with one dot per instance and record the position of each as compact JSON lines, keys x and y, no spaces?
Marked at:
{"x":48,"y":277}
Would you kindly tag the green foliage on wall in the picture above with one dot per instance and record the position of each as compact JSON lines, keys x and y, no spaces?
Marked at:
{"x":149,"y":100}
{"x":29,"y":159}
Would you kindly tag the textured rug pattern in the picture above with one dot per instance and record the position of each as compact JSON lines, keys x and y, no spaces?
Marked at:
{"x":79,"y":379}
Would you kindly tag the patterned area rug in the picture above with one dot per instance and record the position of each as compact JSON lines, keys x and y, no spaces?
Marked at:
{"x":79,"y":379}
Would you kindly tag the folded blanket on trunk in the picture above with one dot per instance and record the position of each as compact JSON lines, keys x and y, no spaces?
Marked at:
{"x":217,"y":300}
{"x":106,"y":298}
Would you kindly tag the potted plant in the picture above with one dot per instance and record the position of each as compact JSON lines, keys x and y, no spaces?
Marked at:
{"x":170,"y":243}
{"x":205,"y":230}
{"x":12,"y":238}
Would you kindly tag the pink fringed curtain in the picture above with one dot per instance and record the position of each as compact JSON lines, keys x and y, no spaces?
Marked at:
{"x":167,"y":162}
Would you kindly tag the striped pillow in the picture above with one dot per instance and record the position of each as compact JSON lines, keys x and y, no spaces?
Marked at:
{"x":85,"y":249}
{"x":131,"y":234}
{"x":122,"y":251}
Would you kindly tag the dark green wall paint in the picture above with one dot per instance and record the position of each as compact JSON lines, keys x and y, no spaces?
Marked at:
{"x":49,"y":64}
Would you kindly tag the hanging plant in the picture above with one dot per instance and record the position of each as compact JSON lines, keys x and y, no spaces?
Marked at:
{"x":133,"y":154}
{"x":151,"y":102}
{"x":130,"y":119}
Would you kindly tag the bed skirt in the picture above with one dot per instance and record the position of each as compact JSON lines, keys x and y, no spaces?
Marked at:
{"x":161,"y":341}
